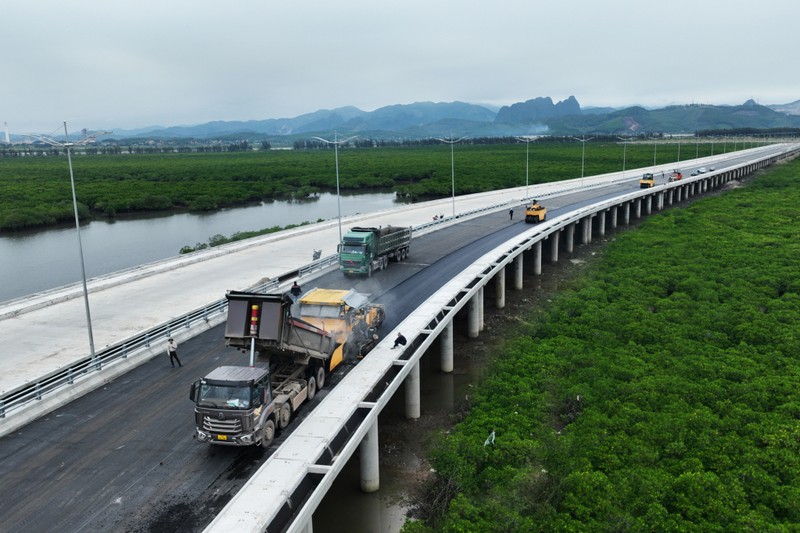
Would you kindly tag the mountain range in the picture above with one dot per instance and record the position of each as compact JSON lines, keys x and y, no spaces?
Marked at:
{"x":539,"y":116}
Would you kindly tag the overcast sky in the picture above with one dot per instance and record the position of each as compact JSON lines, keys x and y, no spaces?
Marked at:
{"x":129,"y":64}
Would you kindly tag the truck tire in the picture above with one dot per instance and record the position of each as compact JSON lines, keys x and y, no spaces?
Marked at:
{"x":267,"y":434}
{"x":369,"y":270}
{"x":320,"y":377}
{"x":312,"y":387}
{"x":284,"y":415}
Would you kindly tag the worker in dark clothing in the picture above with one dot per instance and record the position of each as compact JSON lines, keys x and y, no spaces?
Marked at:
{"x":296,"y":291}
{"x":510,"y":214}
{"x":399,"y":341}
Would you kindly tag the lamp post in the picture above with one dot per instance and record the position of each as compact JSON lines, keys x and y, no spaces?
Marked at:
{"x":624,"y":153}
{"x":67,"y":145}
{"x":452,"y":142}
{"x":335,"y":142}
{"x":655,"y":146}
{"x":527,"y":140}
{"x":583,"y":153}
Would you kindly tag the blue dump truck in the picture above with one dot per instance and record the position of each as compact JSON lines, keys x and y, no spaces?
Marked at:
{"x":364,"y":250}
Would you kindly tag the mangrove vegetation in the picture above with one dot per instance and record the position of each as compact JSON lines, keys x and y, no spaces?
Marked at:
{"x":660,"y":392}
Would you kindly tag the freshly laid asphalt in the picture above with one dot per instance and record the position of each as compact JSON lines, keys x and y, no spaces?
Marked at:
{"x":45,"y":332}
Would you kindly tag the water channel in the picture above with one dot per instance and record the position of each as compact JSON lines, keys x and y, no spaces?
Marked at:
{"x":37,"y":261}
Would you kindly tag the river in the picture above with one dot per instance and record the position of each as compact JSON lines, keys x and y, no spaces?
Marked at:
{"x":36,"y":261}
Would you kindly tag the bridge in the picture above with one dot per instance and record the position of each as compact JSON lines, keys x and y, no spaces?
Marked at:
{"x":47,"y":375}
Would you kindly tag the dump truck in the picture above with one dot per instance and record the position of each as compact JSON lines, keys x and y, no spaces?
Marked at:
{"x":535,"y":212}
{"x":298,"y":344}
{"x":647,"y":180}
{"x":365,"y":250}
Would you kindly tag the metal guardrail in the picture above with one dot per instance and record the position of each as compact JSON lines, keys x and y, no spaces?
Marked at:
{"x":68,"y":375}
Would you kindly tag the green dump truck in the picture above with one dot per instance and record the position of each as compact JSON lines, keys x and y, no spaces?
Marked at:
{"x":364,"y":250}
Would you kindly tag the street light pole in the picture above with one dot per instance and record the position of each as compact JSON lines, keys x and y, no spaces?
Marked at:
{"x":335,"y":142}
{"x":452,"y":142}
{"x":67,"y":145}
{"x":624,"y":153}
{"x":527,"y":140}
{"x":583,"y":153}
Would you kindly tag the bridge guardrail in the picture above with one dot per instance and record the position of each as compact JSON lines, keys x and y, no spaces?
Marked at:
{"x":64,"y":377}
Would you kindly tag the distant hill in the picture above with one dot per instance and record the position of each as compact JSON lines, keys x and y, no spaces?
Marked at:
{"x":441,"y":119}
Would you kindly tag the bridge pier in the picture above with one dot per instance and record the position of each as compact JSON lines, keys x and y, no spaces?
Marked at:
{"x":481,"y":308}
{"x":626,"y":213}
{"x":368,"y":452}
{"x":554,"y":246}
{"x":570,"y":237}
{"x":500,"y":288}
{"x":601,"y":224}
{"x":614,"y":217}
{"x":518,"y":272}
{"x":586,"y":229}
{"x":412,"y":384}
{"x":648,"y":205}
{"x":637,"y":210}
{"x":537,"y":258}
{"x":473,"y":316}
{"x":446,"y":345}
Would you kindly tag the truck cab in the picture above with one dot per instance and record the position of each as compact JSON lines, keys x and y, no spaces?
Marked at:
{"x":233,"y":406}
{"x":356,"y":251}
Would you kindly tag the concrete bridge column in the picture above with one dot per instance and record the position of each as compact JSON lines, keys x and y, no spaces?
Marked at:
{"x":537,"y":258}
{"x":473,"y":315}
{"x":614,"y":217}
{"x":601,"y":223}
{"x":412,"y":392}
{"x":586,"y":229}
{"x":446,"y":346}
{"x":626,"y":213}
{"x":570,"y":237}
{"x":638,"y":208}
{"x":500,"y":288}
{"x":368,"y":452}
{"x":660,"y":201}
{"x":309,"y":527}
{"x":518,"y":271}
{"x":554,"y":246}
{"x":648,"y":205}
{"x":670,"y":196}
{"x":481,"y":308}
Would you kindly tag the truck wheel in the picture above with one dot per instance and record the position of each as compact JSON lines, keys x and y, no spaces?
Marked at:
{"x":268,"y":434}
{"x":369,"y":271}
{"x":284,"y":415}
{"x":312,"y":388}
{"x":320,"y":377}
